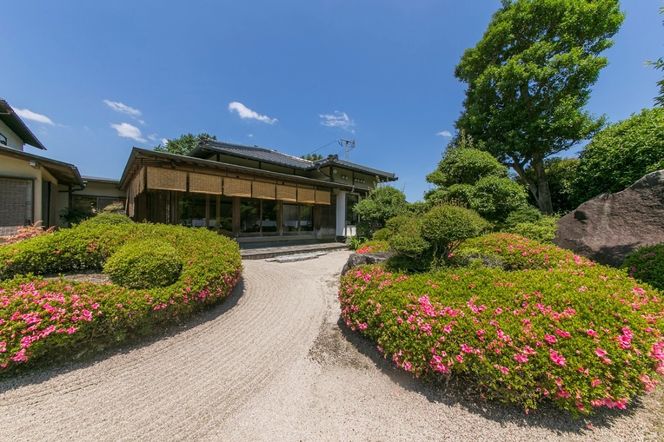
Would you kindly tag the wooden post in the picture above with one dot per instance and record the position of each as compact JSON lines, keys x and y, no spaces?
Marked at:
{"x":236,"y":215}
{"x":280,"y":218}
{"x":207,"y":211}
{"x":218,"y":213}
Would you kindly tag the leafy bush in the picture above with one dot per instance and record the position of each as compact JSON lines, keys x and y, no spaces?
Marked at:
{"x":382,"y":234}
{"x":647,"y":264}
{"x":144,"y":264}
{"x":42,"y":321}
{"x":445,"y":227}
{"x":561,"y":174}
{"x":382,"y":204}
{"x":465,"y":165}
{"x":107,"y":219}
{"x":621,"y":154}
{"x":374,"y":246}
{"x":580,"y":335}
{"x":495,"y":198}
{"x":514,"y":252}
{"x":525,"y":214}
{"x":26,"y":232}
{"x":542,"y":230}
{"x":474,"y":179}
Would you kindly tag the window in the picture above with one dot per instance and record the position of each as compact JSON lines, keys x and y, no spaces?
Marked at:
{"x":268,"y":216}
{"x":250,"y":221}
{"x":192,"y":210}
{"x":15,"y":204}
{"x":351,"y":201}
{"x":297,"y":218}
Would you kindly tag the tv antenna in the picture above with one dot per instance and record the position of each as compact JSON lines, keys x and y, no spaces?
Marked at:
{"x":347,"y":146}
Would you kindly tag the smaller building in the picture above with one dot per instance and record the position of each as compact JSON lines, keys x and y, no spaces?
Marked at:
{"x":251,"y":193}
{"x":37,"y":189}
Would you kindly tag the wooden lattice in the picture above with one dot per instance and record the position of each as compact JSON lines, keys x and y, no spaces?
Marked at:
{"x":306,"y":195}
{"x":264,"y":191}
{"x":237,"y":187}
{"x":322,"y":197}
{"x":167,"y":179}
{"x":286,"y":193}
{"x":200,"y":183}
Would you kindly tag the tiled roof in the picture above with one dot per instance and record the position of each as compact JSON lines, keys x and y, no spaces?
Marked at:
{"x":254,"y":153}
{"x":16,"y":124}
{"x":282,"y":159}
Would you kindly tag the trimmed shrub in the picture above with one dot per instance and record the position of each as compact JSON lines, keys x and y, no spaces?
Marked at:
{"x":647,"y":264}
{"x":44,"y":321}
{"x":495,"y":198}
{"x":465,"y":165}
{"x":382,"y":234}
{"x":107,"y":219}
{"x":445,"y":227}
{"x":580,"y":335}
{"x":514,"y":252}
{"x":542,"y":230}
{"x":525,"y":214}
{"x":382,"y":204}
{"x":144,"y":264}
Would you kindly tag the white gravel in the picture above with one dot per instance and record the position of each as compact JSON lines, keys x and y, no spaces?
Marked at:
{"x":271,"y":363}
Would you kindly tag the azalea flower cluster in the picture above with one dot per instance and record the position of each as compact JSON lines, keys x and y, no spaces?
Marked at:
{"x":26,"y":232}
{"x":578,"y":334}
{"x":46,"y":320}
{"x":372,"y":247}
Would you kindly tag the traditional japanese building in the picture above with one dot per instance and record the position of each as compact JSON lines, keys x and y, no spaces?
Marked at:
{"x":248,"y":192}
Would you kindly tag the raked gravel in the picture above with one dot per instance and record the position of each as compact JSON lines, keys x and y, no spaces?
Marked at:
{"x":272,"y":363}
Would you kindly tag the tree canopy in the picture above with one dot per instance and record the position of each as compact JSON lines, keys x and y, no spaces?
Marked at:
{"x":383,"y":203}
{"x":184,"y":144}
{"x":621,"y":154}
{"x":529,"y":78}
{"x":312,"y":157}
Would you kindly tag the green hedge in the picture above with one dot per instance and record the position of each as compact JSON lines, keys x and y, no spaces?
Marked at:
{"x":555,"y":327}
{"x":647,"y":264}
{"x":46,"y":320}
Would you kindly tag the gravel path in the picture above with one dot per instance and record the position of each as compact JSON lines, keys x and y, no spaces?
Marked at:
{"x":271,"y":363}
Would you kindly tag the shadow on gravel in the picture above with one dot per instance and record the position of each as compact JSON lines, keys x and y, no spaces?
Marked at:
{"x":38,"y":375}
{"x":455,"y":392}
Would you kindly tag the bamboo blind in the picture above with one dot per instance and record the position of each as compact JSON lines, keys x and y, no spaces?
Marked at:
{"x":322,"y":197}
{"x":236,"y":187}
{"x":286,"y":193}
{"x":200,"y":183}
{"x":306,"y":195}
{"x":264,"y":191}
{"x":167,"y":179}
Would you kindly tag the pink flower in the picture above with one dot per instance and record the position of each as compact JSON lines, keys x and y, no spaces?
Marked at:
{"x":591,"y":332}
{"x":638,"y":291}
{"x":466,"y":348}
{"x":459,"y":358}
{"x":20,"y":356}
{"x":521,"y":358}
{"x":407,"y":366}
{"x":362,"y":326}
{"x":504,"y":370}
{"x":595,"y":382}
{"x":563,"y":333}
{"x":600,"y":352}
{"x":3,"y":346}
{"x":550,"y":339}
{"x":557,"y":358}
{"x":447,"y":328}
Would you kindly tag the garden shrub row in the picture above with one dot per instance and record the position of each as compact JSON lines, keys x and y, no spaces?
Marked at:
{"x":43,"y":320}
{"x":545,"y":325}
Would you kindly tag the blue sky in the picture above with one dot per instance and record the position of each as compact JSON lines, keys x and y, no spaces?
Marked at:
{"x":291,"y":75}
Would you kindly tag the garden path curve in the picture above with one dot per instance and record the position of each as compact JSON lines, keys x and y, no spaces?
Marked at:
{"x":271,"y":363}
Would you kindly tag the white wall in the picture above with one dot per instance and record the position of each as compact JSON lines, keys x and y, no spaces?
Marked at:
{"x":13,"y":140}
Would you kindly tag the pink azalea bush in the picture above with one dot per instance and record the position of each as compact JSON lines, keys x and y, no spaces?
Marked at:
{"x":374,"y":246}
{"x":26,"y":232}
{"x":46,"y":320}
{"x":572,"y":332}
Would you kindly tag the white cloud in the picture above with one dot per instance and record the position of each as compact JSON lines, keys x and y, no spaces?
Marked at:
{"x":444,"y":133}
{"x":34,"y":116}
{"x":337,"y":119}
{"x":126,"y":130}
{"x":117,"y":106}
{"x":164,"y":141}
{"x":153,"y":137}
{"x":245,"y":113}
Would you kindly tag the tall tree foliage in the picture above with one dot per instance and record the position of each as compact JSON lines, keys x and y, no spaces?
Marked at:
{"x":659,"y":64}
{"x":184,"y":144}
{"x":529,"y":79}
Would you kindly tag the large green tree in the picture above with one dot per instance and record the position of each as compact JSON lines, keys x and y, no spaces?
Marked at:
{"x":529,"y":79}
{"x":184,"y":144}
{"x":659,"y":64}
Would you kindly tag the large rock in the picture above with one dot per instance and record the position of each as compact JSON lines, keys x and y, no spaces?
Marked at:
{"x":608,"y":227}
{"x":357,"y":259}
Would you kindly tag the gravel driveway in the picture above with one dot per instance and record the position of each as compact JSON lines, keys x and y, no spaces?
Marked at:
{"x":271,"y":363}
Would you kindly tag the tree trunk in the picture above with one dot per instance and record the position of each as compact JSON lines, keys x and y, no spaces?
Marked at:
{"x":543,"y":192}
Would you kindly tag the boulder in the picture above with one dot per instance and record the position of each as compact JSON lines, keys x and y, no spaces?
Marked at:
{"x":610,"y":226}
{"x":357,"y":259}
